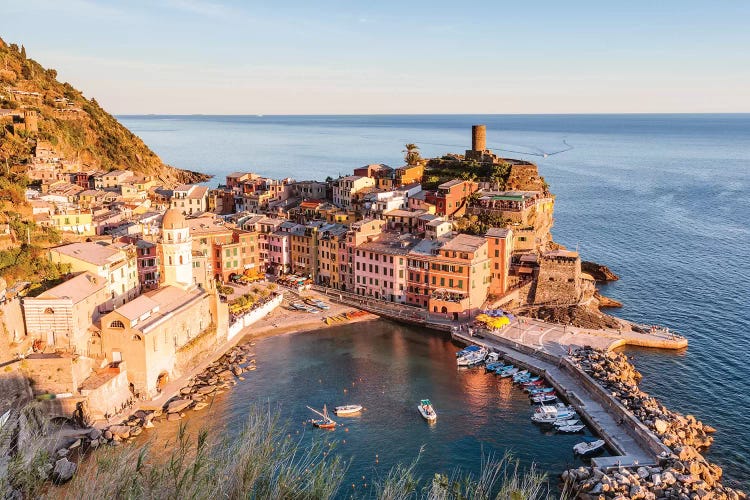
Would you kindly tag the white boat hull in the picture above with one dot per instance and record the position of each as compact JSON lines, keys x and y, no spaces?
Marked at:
{"x":588,"y":448}
{"x":430,"y":417}
{"x":347,"y":410}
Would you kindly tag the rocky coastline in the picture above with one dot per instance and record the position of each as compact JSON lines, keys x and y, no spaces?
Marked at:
{"x":599,"y":272}
{"x":685,"y":474}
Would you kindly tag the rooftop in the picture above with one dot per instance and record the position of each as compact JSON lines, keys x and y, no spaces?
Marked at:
{"x":497,"y":232}
{"x":465,"y":243}
{"x":77,"y":289}
{"x":93,"y":253}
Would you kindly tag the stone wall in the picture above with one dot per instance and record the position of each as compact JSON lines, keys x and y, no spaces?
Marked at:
{"x":108,"y":397}
{"x":56,"y":373}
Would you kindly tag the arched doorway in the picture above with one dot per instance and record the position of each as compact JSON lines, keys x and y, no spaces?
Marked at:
{"x":444,"y":310}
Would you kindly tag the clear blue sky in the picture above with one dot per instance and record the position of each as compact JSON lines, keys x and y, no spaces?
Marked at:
{"x":383,"y":56}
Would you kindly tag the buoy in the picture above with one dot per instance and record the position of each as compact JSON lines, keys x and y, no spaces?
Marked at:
{"x":346,"y":429}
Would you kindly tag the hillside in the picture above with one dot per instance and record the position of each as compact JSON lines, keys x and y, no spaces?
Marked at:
{"x":36,"y":108}
{"x":77,"y":128}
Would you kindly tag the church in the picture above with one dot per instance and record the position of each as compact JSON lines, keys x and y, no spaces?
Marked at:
{"x":160,"y":333}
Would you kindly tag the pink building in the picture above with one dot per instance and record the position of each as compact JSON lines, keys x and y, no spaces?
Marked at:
{"x":380,"y":266}
{"x":279,"y":249}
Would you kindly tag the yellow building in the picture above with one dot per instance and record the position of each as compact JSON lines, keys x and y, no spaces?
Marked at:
{"x":80,"y":223}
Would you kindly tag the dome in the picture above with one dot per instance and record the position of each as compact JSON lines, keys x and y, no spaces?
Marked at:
{"x":173,"y":219}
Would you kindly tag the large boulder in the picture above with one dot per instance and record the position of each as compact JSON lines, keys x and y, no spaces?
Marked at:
{"x":120,"y":431}
{"x":178,"y":405}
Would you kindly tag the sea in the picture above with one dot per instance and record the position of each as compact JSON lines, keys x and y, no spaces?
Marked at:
{"x":661,"y":199}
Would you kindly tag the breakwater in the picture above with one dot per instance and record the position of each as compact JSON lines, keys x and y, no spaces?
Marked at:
{"x":683,"y":472}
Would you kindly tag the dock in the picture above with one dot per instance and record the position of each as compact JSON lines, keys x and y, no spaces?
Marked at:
{"x":633,"y":443}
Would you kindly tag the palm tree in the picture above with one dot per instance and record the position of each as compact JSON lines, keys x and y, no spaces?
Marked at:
{"x":412,"y":155}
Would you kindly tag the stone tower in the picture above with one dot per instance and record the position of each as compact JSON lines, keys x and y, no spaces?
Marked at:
{"x":478,"y":137}
{"x":176,"y":248}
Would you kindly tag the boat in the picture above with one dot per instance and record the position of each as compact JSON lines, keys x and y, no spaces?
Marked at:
{"x":588,"y":448}
{"x":473,"y":358}
{"x":467,"y":350}
{"x":520,"y":375}
{"x":529,"y":380}
{"x":492,"y":357}
{"x":547,"y":414}
{"x":324,"y":423}
{"x":570,"y":429}
{"x":427,"y":411}
{"x":347,"y":410}
{"x":504,"y":369}
{"x":318,"y":303}
{"x":509,"y":373}
{"x":540,"y":390}
{"x":566,"y":421}
{"x":491,"y":367}
{"x":532,"y":384}
{"x":544,"y":398}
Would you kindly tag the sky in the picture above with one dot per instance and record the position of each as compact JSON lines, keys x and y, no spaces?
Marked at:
{"x":392,"y":57}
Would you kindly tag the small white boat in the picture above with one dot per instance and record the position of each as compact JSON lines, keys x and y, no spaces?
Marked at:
{"x":564,"y":422}
{"x":427,"y":411}
{"x":570,"y":429}
{"x":472,"y":358}
{"x":347,"y":410}
{"x":509,"y":373}
{"x":492,"y":358}
{"x":587,"y":448}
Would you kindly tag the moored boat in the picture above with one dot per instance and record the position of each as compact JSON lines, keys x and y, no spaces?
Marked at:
{"x":467,"y":350}
{"x":427,"y":411}
{"x":588,"y":448}
{"x":324,"y":423}
{"x":570,"y":429}
{"x":544,"y":398}
{"x":547,"y":414}
{"x":566,"y":421}
{"x":509,"y":373}
{"x":347,"y":410}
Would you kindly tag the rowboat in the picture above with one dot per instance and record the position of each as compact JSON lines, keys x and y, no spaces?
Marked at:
{"x":504,"y":369}
{"x":324,"y":423}
{"x":540,"y":390}
{"x":509,"y":373}
{"x":491,"y":367}
{"x":427,"y":411}
{"x":347,"y":410}
{"x":588,"y":448}
{"x":520,"y":375}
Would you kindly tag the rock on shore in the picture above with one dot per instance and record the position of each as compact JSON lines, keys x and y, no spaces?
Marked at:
{"x":598,"y":271}
{"x":606,"y":301}
{"x":685,"y":474}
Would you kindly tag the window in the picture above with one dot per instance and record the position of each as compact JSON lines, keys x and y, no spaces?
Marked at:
{"x":137,"y":338}
{"x":49,"y":310}
{"x":116,"y":324}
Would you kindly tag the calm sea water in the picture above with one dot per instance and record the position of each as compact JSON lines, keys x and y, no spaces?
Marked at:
{"x":661,"y":199}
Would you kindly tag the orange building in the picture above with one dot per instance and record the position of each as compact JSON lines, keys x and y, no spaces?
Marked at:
{"x":450,"y":199}
{"x":500,"y":248}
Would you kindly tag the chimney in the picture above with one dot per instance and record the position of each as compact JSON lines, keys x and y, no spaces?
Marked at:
{"x":479,"y":137}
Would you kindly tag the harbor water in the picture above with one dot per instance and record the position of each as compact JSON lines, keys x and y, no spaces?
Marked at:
{"x":661,"y":199}
{"x":387,"y":368}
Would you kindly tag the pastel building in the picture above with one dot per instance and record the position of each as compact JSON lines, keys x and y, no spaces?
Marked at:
{"x":346,"y":189}
{"x":500,"y":249}
{"x":62,"y":316}
{"x":380,"y":266}
{"x":116,"y":264}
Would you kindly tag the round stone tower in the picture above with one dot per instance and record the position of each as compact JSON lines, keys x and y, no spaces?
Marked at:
{"x":478,"y":137}
{"x":176,"y":249}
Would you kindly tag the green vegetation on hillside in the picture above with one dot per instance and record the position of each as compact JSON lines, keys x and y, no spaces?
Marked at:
{"x":439,"y":170}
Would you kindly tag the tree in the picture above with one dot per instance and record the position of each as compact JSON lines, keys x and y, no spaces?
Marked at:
{"x":23,"y":52}
{"x":412,"y":155}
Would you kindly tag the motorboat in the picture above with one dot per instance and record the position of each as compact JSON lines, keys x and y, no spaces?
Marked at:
{"x":547,"y":414}
{"x":532,"y":384}
{"x":427,"y":411}
{"x":509,"y":373}
{"x":544,"y":398}
{"x":529,"y":380}
{"x":491,"y":367}
{"x":325,"y":422}
{"x":473,"y":358}
{"x":588,"y":448}
{"x":504,"y":369}
{"x":492,"y":357}
{"x":567,"y":421}
{"x":520,"y":375}
{"x":467,"y":350}
{"x":345,"y":410}
{"x":570,"y":429}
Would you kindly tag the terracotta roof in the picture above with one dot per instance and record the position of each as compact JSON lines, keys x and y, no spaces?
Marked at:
{"x":77,"y":289}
